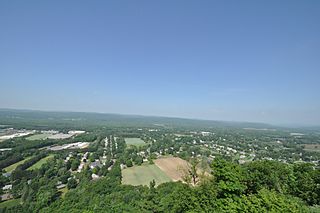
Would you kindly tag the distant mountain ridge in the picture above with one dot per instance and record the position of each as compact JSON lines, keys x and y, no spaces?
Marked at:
{"x":14,"y":116}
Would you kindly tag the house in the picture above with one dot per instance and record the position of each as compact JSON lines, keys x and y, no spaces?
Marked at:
{"x":95,"y":164}
{"x":95,"y":177}
{"x":61,"y":186}
{"x":6,"y":196}
{"x":205,"y":133}
{"x":8,"y":174}
{"x":241,"y":161}
{"x":123,"y":166}
{"x":81,"y":166}
{"x":7,"y":187}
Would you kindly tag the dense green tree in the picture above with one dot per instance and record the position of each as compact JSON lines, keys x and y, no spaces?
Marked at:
{"x":307,"y":183}
{"x":264,"y":201}
{"x":45,"y":196}
{"x":138,"y":160}
{"x":129,"y":163}
{"x":229,"y":178}
{"x":75,"y":164}
{"x":72,"y":183}
{"x":270,"y":175}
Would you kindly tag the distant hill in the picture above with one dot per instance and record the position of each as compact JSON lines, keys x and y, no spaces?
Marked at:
{"x":42,"y":119}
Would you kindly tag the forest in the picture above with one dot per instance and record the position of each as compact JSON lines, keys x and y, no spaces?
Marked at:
{"x":261,"y":186}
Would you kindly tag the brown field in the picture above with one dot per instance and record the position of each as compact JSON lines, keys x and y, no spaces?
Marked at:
{"x":312,"y":147}
{"x":173,"y":167}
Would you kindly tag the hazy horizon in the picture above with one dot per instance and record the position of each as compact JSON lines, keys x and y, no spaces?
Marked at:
{"x":286,"y":125}
{"x":242,"y":61}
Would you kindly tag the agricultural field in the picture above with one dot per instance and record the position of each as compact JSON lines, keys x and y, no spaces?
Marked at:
{"x":40,"y":162}
{"x":14,"y":166}
{"x":142,"y":175}
{"x":38,"y":137}
{"x":135,"y":141}
{"x":172,"y":166}
{"x":312,"y":147}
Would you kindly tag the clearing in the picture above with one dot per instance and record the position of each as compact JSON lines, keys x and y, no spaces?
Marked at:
{"x":135,"y":141}
{"x":14,"y":166}
{"x":38,"y":137}
{"x":40,"y":162}
{"x":173,"y":167}
{"x":142,"y":175}
{"x":10,"y":203}
{"x":312,"y":147}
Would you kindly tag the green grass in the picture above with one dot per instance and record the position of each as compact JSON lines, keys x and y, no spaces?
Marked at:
{"x":142,"y":175}
{"x":14,"y":166}
{"x":38,"y":137}
{"x":40,"y":163}
{"x":10,"y":203}
{"x":135,"y":141}
{"x":63,"y":191}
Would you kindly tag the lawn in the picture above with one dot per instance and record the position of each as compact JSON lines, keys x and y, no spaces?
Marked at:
{"x":142,"y":175}
{"x":40,"y":162}
{"x":10,"y":203}
{"x":135,"y":141}
{"x":14,"y":166}
{"x":63,"y":191}
{"x":38,"y":137}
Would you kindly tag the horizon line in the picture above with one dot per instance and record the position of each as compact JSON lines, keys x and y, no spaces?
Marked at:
{"x":162,"y":116}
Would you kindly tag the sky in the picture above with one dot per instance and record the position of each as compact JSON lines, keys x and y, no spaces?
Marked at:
{"x":220,"y":60}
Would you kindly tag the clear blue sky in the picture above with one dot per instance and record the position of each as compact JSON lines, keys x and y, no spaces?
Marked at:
{"x":221,"y":60}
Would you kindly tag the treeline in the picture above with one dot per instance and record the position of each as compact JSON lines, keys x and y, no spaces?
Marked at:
{"x":10,"y":160}
{"x":33,"y":145}
{"x":32,"y":161}
{"x":21,"y":144}
{"x":262,"y":186}
{"x":21,"y":171}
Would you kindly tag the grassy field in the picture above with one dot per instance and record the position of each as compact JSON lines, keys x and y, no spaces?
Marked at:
{"x":9,"y":203}
{"x":14,"y":166}
{"x":40,"y":162}
{"x":38,"y":137}
{"x":135,"y":141}
{"x":142,"y":175}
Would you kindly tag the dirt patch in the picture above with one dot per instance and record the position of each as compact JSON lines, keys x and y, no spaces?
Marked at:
{"x":174,"y":167}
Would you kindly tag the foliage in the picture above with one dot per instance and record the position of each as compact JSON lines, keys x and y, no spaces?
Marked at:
{"x":229,"y":178}
{"x":72,"y":183}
